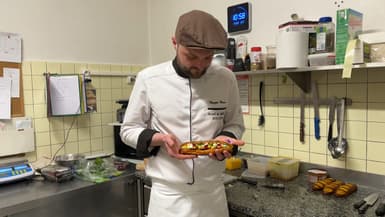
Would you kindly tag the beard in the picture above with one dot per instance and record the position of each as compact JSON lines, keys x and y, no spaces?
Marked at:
{"x":192,"y":72}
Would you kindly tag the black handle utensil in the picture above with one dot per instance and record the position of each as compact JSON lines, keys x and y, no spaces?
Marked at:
{"x":380,"y":211}
{"x":261,"y":120}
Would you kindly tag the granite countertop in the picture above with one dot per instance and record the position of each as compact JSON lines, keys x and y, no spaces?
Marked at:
{"x":297,"y":199}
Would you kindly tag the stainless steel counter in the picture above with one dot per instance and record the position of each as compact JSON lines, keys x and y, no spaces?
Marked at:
{"x":115,"y":198}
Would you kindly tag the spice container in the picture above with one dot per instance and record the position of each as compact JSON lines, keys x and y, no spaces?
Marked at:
{"x":325,"y":35}
{"x":255,"y":58}
{"x":314,"y":175}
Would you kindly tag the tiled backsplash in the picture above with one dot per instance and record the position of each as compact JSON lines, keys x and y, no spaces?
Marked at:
{"x":90,"y":133}
{"x":364,"y":122}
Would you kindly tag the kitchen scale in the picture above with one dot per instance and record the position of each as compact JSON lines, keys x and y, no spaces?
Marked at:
{"x":14,"y":171}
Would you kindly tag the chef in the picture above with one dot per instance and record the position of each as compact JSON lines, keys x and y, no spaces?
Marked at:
{"x":186,"y":99}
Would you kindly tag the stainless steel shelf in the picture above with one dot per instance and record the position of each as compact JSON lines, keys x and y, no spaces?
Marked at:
{"x":303,"y":79}
{"x":312,"y":68}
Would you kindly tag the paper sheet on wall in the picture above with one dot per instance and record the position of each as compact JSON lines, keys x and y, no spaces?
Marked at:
{"x":14,"y":74}
{"x":10,"y":47}
{"x":64,"y":94}
{"x":5,"y":98}
{"x":243,"y":85}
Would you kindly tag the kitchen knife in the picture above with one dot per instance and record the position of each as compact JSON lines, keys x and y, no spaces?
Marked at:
{"x":302,"y":119}
{"x":316,"y":110}
{"x":364,"y":204}
{"x":380,"y":211}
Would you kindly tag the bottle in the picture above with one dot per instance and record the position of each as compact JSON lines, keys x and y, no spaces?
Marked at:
{"x":255,"y":58}
{"x":325,"y":35}
{"x":270,"y":57}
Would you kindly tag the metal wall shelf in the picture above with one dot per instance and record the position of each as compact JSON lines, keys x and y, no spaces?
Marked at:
{"x":302,"y":76}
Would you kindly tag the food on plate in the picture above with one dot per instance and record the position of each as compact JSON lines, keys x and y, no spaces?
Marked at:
{"x":319,"y":185}
{"x":204,"y":147}
{"x":345,"y":190}
{"x":330,"y":188}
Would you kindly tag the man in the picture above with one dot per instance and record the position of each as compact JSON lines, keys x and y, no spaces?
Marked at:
{"x":184,"y":100}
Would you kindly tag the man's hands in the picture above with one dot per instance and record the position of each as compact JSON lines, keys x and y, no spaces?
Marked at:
{"x":171,"y":144}
{"x":225,"y":154}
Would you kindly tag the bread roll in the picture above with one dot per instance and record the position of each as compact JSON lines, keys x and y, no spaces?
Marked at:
{"x":319,"y":185}
{"x":330,"y":188}
{"x":345,"y":190}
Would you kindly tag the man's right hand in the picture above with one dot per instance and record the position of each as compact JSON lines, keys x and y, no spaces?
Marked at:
{"x":171,"y":144}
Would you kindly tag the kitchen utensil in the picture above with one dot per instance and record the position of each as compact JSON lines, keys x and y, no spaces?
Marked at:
{"x":337,"y":146}
{"x":316,"y":110}
{"x":280,"y":186}
{"x":261,"y":120}
{"x":302,"y":119}
{"x":380,"y":211}
{"x":69,"y":160}
{"x":332,"y":107}
{"x":367,"y":202}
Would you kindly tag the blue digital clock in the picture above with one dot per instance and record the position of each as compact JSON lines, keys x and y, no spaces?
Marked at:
{"x":239,"y":18}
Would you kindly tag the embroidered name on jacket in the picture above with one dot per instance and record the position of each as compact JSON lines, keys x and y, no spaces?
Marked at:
{"x":216,"y":109}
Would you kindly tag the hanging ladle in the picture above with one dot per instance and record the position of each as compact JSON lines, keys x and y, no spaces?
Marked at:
{"x":338,"y":145}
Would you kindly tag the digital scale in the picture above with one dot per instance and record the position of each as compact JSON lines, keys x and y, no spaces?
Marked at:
{"x":15,"y":172}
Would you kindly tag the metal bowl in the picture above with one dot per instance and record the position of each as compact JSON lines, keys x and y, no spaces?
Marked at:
{"x":69,"y":160}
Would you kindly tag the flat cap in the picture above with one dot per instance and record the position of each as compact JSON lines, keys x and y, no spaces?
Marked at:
{"x":201,"y":30}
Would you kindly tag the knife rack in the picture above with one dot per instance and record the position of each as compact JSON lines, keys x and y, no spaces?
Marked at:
{"x":307,"y":101}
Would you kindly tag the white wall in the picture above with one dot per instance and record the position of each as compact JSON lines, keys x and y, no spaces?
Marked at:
{"x":267,"y":15}
{"x":99,"y":31}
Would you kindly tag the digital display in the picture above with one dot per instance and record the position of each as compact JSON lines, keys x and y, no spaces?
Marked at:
{"x":238,"y":18}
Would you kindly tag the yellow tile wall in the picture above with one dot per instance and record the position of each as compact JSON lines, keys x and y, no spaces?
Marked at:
{"x":90,"y":133}
{"x":364,"y":122}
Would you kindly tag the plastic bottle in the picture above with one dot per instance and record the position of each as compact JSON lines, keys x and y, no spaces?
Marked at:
{"x":255,"y":58}
{"x":325,"y":35}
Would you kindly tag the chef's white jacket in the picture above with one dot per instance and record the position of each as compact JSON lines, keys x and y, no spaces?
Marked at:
{"x":164,"y":100}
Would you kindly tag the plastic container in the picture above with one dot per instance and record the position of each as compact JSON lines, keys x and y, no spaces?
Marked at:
{"x":270,"y":57}
{"x":325,"y":31}
{"x":257,"y":166}
{"x":283,"y":168}
{"x":314,"y":175}
{"x":322,"y":59}
{"x":255,"y":58}
{"x":233,"y":163}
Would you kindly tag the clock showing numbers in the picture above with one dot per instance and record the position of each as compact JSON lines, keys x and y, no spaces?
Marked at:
{"x":239,"y":18}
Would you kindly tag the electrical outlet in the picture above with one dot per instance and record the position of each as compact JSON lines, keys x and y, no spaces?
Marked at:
{"x":131,"y":79}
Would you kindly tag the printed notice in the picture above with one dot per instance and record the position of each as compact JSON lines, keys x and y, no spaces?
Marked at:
{"x":5,"y":98}
{"x":14,"y":75}
{"x":10,"y":47}
{"x":64,"y":92}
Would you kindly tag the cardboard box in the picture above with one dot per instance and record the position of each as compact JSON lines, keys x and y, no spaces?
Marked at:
{"x":349,"y":26}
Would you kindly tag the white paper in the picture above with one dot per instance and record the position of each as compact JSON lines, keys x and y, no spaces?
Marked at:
{"x":10,"y":47}
{"x":14,"y":74}
{"x":64,"y":95}
{"x":243,"y":85}
{"x":23,"y":124}
{"x":5,"y":98}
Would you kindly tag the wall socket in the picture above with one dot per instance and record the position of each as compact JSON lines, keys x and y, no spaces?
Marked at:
{"x":131,"y":79}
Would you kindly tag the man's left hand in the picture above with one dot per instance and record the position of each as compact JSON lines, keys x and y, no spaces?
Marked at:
{"x":219,"y":155}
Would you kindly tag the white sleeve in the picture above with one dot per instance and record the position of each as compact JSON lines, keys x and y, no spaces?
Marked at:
{"x":137,"y":113}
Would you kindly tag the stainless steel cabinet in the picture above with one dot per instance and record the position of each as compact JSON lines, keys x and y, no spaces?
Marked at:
{"x":117,"y":198}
